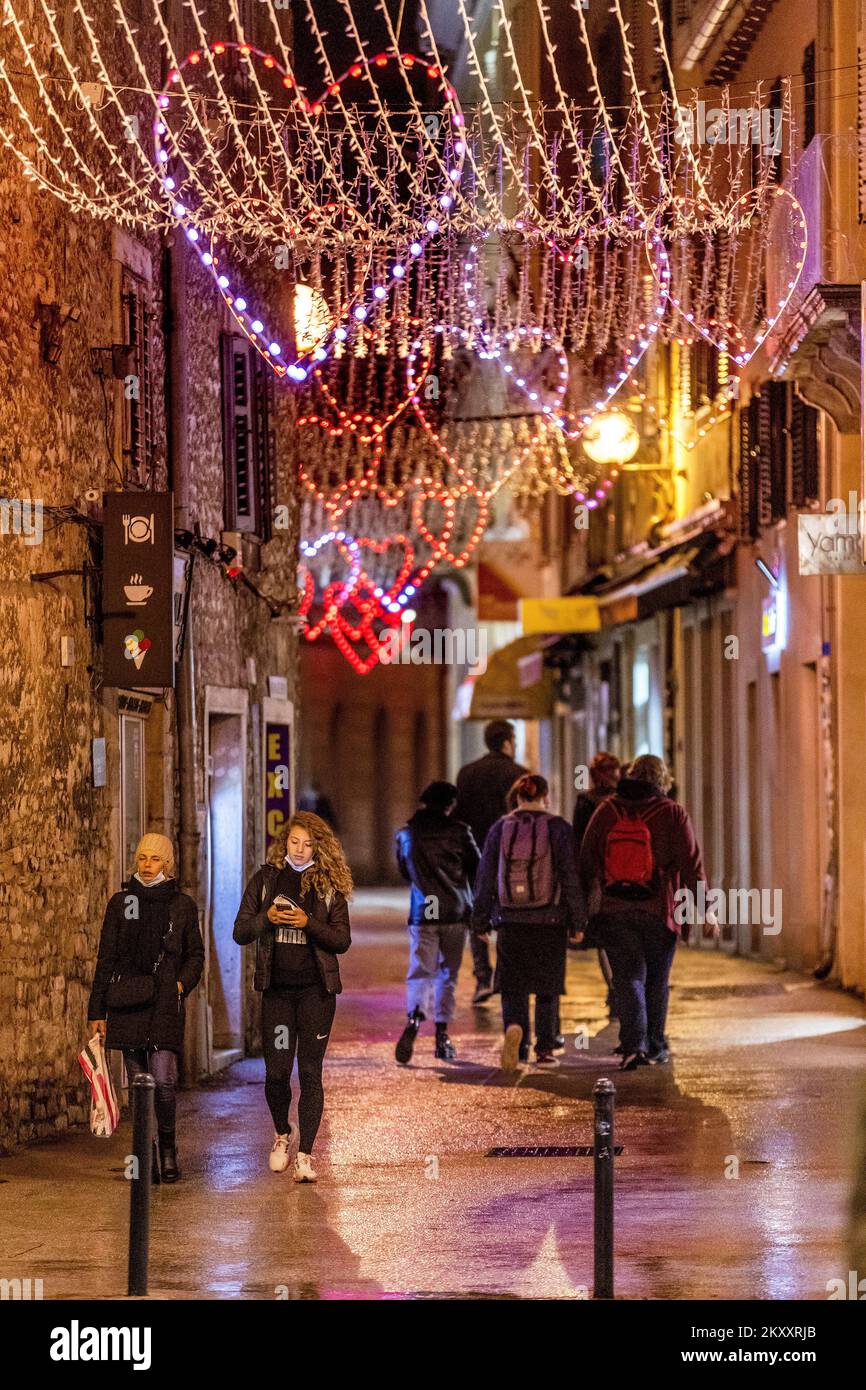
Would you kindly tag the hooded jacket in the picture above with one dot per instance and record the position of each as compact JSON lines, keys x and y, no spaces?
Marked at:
{"x":328,"y":928}
{"x":676,"y":855}
{"x":438,"y":856}
{"x":139,"y":923}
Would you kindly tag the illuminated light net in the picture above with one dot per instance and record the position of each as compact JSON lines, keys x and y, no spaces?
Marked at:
{"x":537,"y":248}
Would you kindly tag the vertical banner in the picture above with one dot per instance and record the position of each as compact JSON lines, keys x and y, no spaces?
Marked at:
{"x":138,"y":589}
{"x":278,"y":778}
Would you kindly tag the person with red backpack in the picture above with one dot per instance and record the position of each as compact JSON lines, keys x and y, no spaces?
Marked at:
{"x":527,"y":888}
{"x":638,"y":849}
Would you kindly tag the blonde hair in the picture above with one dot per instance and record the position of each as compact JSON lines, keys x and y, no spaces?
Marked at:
{"x":159,"y":845}
{"x":648,"y":768}
{"x":329,"y":872}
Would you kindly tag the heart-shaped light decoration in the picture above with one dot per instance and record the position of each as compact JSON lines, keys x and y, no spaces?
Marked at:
{"x":729,"y":336}
{"x":297,"y":366}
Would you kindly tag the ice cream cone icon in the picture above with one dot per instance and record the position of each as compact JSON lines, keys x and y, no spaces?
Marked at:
{"x":137,"y":647}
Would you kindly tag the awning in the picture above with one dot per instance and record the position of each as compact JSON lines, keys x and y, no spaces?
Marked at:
{"x":571,"y":613}
{"x":515,"y":684}
{"x":672,"y":579}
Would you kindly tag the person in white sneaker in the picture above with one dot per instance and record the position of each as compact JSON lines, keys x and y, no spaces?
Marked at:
{"x":295,"y":908}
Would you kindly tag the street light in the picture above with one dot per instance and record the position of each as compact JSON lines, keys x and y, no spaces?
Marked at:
{"x":610,"y":438}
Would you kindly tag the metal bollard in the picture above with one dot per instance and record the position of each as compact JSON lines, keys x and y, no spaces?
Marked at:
{"x":142,"y":1094}
{"x":603,"y":1093}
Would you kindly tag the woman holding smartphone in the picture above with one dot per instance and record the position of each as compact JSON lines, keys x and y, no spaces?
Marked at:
{"x":295,"y":908}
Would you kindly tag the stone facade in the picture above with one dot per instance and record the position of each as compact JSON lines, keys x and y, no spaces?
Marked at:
{"x":60,"y":834}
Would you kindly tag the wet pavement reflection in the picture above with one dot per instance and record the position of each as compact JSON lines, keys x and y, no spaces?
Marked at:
{"x":733,"y":1182}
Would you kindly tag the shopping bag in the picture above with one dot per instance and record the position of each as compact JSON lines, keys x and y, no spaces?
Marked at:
{"x":104,"y":1110}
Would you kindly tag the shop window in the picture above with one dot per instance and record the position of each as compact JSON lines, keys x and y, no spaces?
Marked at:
{"x":137,"y":387}
{"x":248,"y":450}
{"x":133,"y":807}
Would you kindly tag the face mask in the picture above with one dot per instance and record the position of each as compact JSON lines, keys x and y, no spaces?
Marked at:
{"x":150,"y":883}
{"x":298,"y":867}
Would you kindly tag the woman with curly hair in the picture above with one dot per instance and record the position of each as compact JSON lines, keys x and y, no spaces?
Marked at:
{"x":295,"y":908}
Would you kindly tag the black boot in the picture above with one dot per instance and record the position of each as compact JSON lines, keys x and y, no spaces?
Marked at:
{"x":154,"y":1166}
{"x":406,"y":1042}
{"x":168,"y":1156}
{"x":445,"y":1050}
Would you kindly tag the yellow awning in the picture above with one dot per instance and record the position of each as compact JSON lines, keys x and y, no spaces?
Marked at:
{"x":500,"y":692}
{"x":575,"y":613}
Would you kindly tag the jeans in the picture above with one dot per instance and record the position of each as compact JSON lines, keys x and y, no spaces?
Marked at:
{"x":515,"y":1009}
{"x":640,"y":957}
{"x":296,"y":1018}
{"x":435,"y":953}
{"x":162,"y":1066}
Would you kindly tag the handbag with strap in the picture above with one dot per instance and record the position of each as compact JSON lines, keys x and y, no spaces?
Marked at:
{"x":135,"y":991}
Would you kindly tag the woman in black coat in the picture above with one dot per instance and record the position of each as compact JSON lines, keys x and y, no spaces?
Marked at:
{"x":531,"y":941}
{"x":296,"y":911}
{"x":150,"y":945}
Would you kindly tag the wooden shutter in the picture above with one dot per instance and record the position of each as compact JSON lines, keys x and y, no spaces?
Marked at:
{"x":809,"y":114}
{"x":779,"y":394}
{"x":137,"y":412}
{"x":805,"y":472}
{"x":239,"y":434}
{"x":749,"y":472}
{"x":765,"y":514}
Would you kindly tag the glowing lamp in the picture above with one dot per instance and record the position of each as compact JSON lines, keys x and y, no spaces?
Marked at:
{"x":610,"y":438}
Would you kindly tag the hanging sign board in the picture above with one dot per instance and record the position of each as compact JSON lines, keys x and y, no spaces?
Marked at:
{"x":829,"y":544}
{"x":138,"y":590}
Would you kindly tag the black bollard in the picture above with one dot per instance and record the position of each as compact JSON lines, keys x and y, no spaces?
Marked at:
{"x":141,"y":1094}
{"x":603,"y":1093}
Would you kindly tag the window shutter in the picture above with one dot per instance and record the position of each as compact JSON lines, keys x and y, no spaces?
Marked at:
{"x":765,"y":515}
{"x":749,"y":473}
{"x":779,"y":394}
{"x":809,"y":116}
{"x":137,"y":415}
{"x":266,"y":445}
{"x":805,"y":470}
{"x":239,"y":434}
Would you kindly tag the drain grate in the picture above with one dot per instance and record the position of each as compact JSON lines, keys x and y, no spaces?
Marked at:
{"x":548,"y":1151}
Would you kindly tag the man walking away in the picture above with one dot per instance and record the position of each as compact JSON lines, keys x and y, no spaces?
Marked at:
{"x":638,"y":849}
{"x":438,"y":856}
{"x":483,"y":787}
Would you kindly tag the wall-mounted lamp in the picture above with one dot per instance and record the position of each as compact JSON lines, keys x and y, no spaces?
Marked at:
{"x":52,"y":319}
{"x":767,"y":573}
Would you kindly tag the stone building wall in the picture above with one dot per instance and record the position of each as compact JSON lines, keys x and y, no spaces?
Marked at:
{"x":60,"y":855}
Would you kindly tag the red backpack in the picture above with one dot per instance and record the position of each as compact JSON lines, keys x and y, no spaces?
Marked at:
{"x":629,"y":864}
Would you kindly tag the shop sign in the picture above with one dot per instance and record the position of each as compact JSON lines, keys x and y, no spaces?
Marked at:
{"x":138,"y":590}
{"x":830,"y":544}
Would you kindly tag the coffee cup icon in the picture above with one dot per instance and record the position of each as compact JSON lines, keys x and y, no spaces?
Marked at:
{"x":137,"y":594}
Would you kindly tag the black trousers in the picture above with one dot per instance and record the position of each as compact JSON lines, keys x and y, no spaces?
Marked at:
{"x":515,"y":1009}
{"x":296,"y":1020}
{"x":640,"y":957}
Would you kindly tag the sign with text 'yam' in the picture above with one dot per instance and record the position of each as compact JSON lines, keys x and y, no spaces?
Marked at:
{"x":138,"y":589}
{"x":829,"y":544}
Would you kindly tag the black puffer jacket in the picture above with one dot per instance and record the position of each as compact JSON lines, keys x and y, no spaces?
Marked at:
{"x":437,"y":855}
{"x":139,"y":923}
{"x":328,"y":928}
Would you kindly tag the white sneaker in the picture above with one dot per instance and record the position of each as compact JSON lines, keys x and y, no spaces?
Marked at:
{"x":278,"y":1161}
{"x":304,"y":1170}
{"x":509,"y":1058}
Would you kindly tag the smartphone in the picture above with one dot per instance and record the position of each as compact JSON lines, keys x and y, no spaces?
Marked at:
{"x":284,"y":904}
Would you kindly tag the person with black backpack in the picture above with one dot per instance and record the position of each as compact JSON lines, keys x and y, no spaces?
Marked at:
{"x":527,"y":888}
{"x":437,"y":855}
{"x":639,"y":847}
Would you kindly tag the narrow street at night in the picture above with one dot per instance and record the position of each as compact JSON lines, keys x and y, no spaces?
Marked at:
{"x":765,"y":1066}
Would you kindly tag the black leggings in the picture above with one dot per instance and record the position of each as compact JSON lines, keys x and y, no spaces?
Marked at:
{"x":296,"y":1018}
